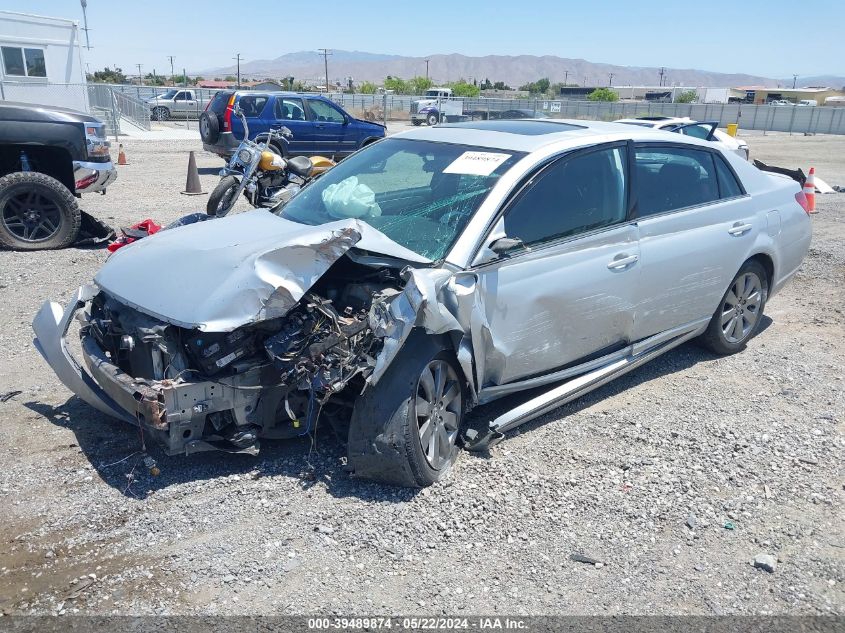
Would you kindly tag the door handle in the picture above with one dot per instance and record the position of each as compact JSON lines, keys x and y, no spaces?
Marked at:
{"x":739,"y":229}
{"x":622,"y":261}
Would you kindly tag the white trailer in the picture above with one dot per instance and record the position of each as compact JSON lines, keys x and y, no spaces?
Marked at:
{"x":41,"y":61}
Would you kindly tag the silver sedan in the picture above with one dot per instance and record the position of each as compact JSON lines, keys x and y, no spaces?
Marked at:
{"x":430,"y":273}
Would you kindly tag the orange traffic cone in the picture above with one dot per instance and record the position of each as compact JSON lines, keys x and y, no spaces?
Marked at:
{"x":810,"y":190}
{"x":121,"y":156}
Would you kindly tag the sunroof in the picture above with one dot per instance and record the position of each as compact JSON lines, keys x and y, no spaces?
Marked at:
{"x":525,"y":127}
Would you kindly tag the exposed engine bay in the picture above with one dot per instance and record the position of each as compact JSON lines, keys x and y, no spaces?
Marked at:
{"x":275,"y":378}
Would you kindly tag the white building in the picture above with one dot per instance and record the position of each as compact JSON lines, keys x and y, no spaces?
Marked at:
{"x":41,"y":61}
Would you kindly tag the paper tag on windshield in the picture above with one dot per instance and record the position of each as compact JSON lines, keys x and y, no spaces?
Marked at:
{"x":476,"y":163}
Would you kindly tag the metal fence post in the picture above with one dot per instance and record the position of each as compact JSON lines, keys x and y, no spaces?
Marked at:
{"x":384,"y":110}
{"x":115,"y":120}
{"x":792,"y":120}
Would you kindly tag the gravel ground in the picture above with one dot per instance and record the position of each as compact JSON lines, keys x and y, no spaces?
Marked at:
{"x":672,"y":480}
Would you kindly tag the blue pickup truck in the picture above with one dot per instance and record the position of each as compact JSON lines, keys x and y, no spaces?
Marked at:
{"x":319,"y":126}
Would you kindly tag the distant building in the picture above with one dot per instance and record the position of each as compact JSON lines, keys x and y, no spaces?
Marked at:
{"x":42,"y":61}
{"x":763,"y":95}
{"x":269,"y":86}
{"x":216,"y":85}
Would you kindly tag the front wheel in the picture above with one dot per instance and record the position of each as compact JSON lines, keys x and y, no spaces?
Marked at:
{"x":416,"y":122}
{"x":222,"y":199}
{"x":161,"y":113}
{"x":433,"y":119}
{"x":404,"y":429}
{"x":740,"y":312}
{"x":37,"y":212}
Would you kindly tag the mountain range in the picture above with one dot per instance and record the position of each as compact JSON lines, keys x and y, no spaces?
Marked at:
{"x":513,"y":70}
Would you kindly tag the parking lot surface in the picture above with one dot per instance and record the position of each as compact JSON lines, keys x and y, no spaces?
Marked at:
{"x":671,"y":479}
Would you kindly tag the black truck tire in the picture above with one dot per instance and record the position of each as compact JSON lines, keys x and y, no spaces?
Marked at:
{"x":37,"y":212}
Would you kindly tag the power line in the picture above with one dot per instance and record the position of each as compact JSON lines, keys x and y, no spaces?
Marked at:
{"x":325,"y":52}
{"x":238,"y":58}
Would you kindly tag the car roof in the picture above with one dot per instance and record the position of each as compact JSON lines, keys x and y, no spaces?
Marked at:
{"x":529,"y":135}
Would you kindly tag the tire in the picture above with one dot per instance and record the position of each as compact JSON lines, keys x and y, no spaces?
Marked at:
{"x":416,"y":122}
{"x":389,"y":426}
{"x":222,"y":199}
{"x":740,"y":313}
{"x":432,"y":119}
{"x":209,"y":126}
{"x":160,"y":113}
{"x":37,"y":212}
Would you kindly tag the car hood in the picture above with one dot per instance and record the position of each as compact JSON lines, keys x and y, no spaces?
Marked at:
{"x":222,"y":274}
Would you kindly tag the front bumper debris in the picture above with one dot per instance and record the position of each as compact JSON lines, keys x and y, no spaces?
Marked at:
{"x":93,"y":177}
{"x":175,"y":412}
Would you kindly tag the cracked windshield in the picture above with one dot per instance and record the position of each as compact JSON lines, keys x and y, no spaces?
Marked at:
{"x":420,"y":194}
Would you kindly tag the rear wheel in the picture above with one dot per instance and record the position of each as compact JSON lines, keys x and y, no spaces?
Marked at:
{"x":740,"y":312}
{"x":222,"y":199}
{"x":37,"y":212}
{"x":404,"y":429}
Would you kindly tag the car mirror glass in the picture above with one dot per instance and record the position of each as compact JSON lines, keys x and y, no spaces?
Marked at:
{"x":505,"y":245}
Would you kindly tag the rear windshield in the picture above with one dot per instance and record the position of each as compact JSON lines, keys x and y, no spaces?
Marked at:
{"x":419,"y":194}
{"x":219,"y":102}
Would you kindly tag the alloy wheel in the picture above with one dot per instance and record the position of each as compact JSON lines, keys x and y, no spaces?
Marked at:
{"x":32,"y":216}
{"x":741,"y":308}
{"x":438,"y":408}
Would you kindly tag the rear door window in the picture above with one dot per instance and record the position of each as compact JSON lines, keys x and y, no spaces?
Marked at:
{"x":672,"y":178}
{"x":288,"y":109}
{"x":728,"y":185}
{"x":252,"y":105}
{"x":575,"y":195}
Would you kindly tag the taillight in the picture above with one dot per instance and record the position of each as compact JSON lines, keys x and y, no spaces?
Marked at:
{"x":227,"y":118}
{"x":801,"y":199}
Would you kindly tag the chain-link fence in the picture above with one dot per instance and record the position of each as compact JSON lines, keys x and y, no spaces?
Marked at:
{"x":810,"y":120}
{"x":130,"y":105}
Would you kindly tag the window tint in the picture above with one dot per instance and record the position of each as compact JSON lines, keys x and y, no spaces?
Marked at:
{"x":289,"y":109}
{"x":670,"y":178}
{"x":13,"y":61}
{"x":181,"y":96}
{"x":574,"y":195}
{"x":219,"y":102}
{"x":252,"y":106}
{"x":698,"y":131}
{"x":728,"y":186}
{"x":324,"y":112}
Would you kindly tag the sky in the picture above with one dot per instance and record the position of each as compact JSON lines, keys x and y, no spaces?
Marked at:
{"x":773,"y":38}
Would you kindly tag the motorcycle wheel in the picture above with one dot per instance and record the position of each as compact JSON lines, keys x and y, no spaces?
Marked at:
{"x":222,"y":199}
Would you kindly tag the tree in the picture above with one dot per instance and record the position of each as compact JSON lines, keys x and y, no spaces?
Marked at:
{"x":109,"y":76}
{"x":230,"y":78}
{"x":367,"y":88}
{"x":541,"y":86}
{"x":687,"y":96}
{"x":397,"y":85}
{"x":501,"y":85}
{"x":462,"y":88}
{"x":418,"y":85}
{"x":153,"y":80}
{"x":603,"y":94}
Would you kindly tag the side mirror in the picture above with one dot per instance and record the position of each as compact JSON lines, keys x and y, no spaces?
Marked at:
{"x":506,"y":244}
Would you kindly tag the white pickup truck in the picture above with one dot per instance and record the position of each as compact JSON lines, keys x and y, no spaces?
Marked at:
{"x":176,"y":102}
{"x":438,"y":106}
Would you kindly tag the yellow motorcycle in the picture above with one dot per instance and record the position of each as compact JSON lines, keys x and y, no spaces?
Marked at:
{"x":264,"y":177}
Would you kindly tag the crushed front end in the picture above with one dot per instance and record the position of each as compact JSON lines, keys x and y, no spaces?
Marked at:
{"x":196,"y":390}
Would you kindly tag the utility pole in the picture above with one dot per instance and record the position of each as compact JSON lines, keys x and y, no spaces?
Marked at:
{"x":610,"y":77}
{"x":325,"y":52}
{"x":794,"y":79}
{"x":238,"y":58}
{"x":140,"y":83}
{"x":662,"y":72}
{"x":172,"y":72}
{"x":84,"y":4}
{"x":426,"y":69}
